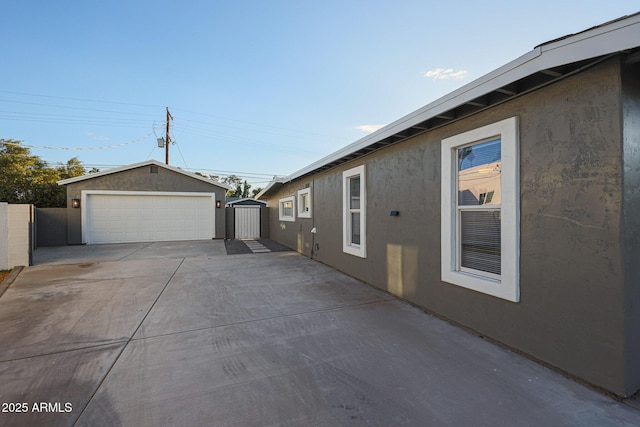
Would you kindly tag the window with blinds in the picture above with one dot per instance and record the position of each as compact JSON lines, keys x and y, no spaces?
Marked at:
{"x":478,"y":207}
{"x":285,"y":209}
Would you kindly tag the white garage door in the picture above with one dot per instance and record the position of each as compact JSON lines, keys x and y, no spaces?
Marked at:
{"x":120,"y":217}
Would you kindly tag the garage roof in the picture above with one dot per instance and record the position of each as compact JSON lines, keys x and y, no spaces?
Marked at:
{"x":142,"y":164}
{"x":545,"y":64}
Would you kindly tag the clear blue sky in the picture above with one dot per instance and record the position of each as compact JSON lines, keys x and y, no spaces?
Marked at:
{"x":256,"y":88}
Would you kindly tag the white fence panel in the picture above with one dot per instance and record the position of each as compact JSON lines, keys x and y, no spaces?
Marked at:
{"x":247,"y":220}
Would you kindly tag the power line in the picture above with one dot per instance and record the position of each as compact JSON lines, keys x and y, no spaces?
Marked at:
{"x":257,"y":124}
{"x":72,"y":108}
{"x":262,"y":126}
{"x":249,"y":175}
{"x":78,"y":148}
{"x":80,"y":99}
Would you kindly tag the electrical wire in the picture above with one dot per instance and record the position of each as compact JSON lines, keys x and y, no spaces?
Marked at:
{"x":80,"y":99}
{"x":180,"y":151}
{"x":104,"y":147}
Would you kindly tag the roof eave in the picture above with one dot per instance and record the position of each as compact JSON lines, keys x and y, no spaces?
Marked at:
{"x":272,"y":186}
{"x":138,"y":165}
{"x":617,"y":36}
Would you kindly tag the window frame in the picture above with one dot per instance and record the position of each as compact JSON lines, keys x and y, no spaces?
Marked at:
{"x":281,"y":215}
{"x":359,"y":250}
{"x":307,"y":192}
{"x":506,"y":285}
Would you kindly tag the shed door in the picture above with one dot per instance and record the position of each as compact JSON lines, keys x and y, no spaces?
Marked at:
{"x":247,"y":219}
{"x":122,"y":217}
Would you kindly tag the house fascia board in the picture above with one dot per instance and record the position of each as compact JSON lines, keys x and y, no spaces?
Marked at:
{"x":611,"y":38}
{"x":138,"y":165}
{"x":277,"y":183}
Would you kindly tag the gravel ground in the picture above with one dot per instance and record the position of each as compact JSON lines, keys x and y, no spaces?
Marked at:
{"x":274,"y":246}
{"x":236,"y":247}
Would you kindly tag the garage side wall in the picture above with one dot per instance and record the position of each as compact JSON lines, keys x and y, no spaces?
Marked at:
{"x":139,"y":179}
{"x":570,"y":313}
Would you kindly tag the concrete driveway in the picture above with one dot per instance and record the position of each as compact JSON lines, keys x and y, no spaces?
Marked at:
{"x":181,"y":334}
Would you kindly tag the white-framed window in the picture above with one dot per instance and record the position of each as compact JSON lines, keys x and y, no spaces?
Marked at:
{"x":286,"y":210}
{"x":304,"y":203}
{"x":354,"y":212}
{"x":481,"y":210}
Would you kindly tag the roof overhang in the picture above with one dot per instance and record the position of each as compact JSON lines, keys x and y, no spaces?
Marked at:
{"x":245,"y":199}
{"x":545,"y":64}
{"x":138,"y":165}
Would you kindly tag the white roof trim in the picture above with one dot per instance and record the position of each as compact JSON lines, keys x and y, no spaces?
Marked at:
{"x":139,"y":165}
{"x":278,"y":180}
{"x":609,"y":38}
{"x":233,"y":202}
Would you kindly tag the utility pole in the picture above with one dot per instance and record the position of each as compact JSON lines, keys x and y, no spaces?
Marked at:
{"x":167,"y":137}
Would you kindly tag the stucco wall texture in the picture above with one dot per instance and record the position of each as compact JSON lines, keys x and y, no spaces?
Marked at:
{"x":140,"y":179}
{"x":579,"y":227}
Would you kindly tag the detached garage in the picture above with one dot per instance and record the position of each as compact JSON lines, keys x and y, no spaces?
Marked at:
{"x":143,"y":202}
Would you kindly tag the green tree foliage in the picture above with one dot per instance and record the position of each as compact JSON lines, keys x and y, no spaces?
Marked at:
{"x":25,"y":178}
{"x":235,"y":182}
{"x":241,"y":189}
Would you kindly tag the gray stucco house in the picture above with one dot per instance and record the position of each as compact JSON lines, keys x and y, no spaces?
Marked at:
{"x":510,"y":206}
{"x":143,"y":202}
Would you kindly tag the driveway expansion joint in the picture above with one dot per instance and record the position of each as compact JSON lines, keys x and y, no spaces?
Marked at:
{"x":283,"y":316}
{"x":115,"y":361}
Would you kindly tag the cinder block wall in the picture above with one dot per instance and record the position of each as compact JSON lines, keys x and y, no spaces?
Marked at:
{"x":15,"y":223}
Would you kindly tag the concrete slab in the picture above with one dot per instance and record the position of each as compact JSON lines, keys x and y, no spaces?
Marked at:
{"x":53,"y":390}
{"x":259,"y":339}
{"x":60,"y":308}
{"x":87,"y":272}
{"x":185,"y":249}
{"x":383,"y":363}
{"x":258,"y":291}
{"x":79,"y":254}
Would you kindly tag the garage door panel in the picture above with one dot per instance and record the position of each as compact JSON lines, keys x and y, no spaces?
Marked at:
{"x":116,"y":218}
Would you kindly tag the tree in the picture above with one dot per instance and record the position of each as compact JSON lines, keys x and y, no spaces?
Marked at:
{"x":245,"y":189}
{"x":235,"y":182}
{"x":72,"y":168}
{"x":26,"y":178}
{"x":241,"y":189}
{"x":255,"y":191}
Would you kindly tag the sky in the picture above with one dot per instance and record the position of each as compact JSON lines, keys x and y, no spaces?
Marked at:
{"x":255,"y":88}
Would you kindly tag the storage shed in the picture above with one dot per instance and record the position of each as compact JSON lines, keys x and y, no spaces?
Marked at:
{"x":247,"y":218}
{"x":143,"y":202}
